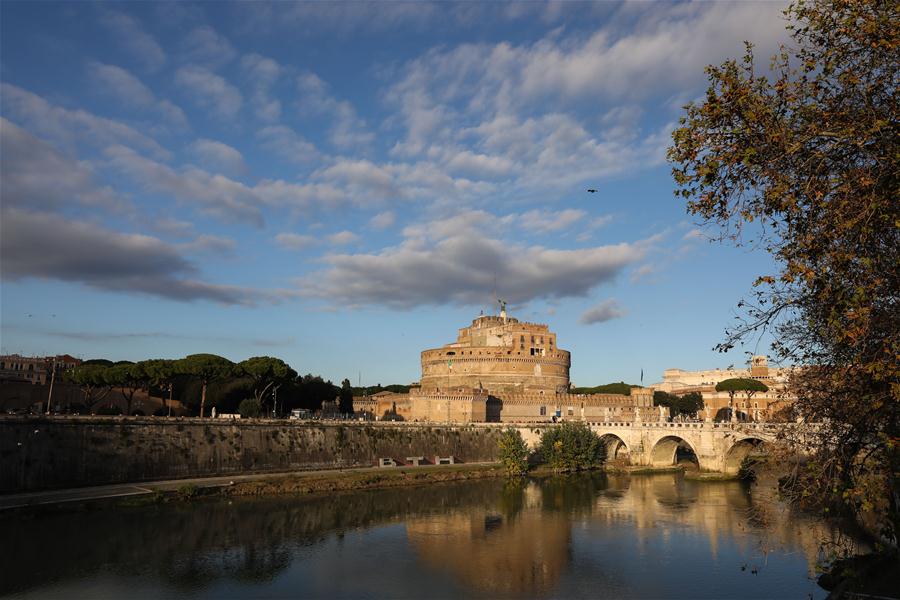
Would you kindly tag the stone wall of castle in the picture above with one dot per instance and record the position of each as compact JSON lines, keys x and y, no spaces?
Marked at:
{"x":466,"y":405}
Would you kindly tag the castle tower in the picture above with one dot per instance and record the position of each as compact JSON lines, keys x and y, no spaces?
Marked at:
{"x":499,"y":354}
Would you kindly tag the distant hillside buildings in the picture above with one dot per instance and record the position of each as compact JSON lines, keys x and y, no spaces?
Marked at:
{"x":761,"y":406}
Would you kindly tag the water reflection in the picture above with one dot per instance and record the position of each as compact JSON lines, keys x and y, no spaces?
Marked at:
{"x":566,"y":536}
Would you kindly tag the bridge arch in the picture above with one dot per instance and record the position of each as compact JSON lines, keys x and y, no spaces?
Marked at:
{"x":616,"y":448}
{"x":672,"y":449}
{"x":740,"y":450}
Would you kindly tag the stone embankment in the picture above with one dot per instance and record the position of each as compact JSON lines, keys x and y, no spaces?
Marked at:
{"x":38,"y":453}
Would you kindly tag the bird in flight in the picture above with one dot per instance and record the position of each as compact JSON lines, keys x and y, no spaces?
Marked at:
{"x":592,"y":191}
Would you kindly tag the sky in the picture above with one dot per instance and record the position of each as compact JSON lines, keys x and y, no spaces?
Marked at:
{"x":343,"y":185}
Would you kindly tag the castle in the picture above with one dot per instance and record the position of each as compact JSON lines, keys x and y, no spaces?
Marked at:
{"x":501,"y":369}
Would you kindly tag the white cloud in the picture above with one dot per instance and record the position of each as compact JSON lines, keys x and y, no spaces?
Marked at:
{"x":70,"y":127}
{"x":342,"y":238}
{"x":217,"y":195}
{"x":212,"y":244}
{"x":207,"y":46}
{"x":382,"y":220}
{"x":455,"y":261}
{"x":262,"y":73}
{"x":543,"y":221}
{"x":348,"y":130}
{"x":210,"y":90}
{"x":605,"y":311}
{"x":130,"y":90}
{"x":219,"y":155}
{"x":643,"y":272}
{"x":294,"y":241}
{"x":286,"y":144}
{"x":480,"y":165}
{"x":141,"y":44}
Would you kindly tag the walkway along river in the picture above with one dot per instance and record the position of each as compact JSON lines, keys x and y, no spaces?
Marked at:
{"x":588,"y":535}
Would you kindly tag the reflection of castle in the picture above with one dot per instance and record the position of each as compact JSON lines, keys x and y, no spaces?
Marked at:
{"x":502,"y":369}
{"x":521,"y":556}
{"x":760,"y":406}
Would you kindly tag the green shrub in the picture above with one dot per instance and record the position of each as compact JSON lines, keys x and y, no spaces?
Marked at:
{"x":572,"y":447}
{"x":187,"y":491}
{"x":513,"y":452}
{"x":250,"y":408}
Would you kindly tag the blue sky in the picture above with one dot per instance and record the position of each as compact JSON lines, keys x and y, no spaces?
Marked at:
{"x":343,"y":185}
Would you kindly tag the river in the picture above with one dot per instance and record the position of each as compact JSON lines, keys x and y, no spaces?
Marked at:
{"x":588,"y":536}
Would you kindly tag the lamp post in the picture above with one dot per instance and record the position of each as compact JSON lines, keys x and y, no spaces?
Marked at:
{"x":52,"y":380}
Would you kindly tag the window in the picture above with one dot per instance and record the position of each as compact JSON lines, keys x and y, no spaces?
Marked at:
{"x":543,"y":411}
{"x":532,"y":339}
{"x":542,"y":339}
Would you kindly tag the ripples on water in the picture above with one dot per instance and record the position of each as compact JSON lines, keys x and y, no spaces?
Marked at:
{"x":581,"y":536}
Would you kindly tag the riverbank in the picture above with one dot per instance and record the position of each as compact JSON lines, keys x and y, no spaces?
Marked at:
{"x":258,"y":484}
{"x":299,"y":483}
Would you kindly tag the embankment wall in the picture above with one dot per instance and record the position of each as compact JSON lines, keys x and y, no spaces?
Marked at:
{"x":56,"y":452}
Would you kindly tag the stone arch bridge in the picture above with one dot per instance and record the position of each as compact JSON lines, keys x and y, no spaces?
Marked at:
{"x":718,"y":447}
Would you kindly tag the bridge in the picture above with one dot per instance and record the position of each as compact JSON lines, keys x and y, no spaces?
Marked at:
{"x":717,"y":447}
{"x":720,"y":447}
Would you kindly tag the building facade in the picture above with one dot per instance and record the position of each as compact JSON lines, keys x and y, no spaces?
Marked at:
{"x":34,"y":369}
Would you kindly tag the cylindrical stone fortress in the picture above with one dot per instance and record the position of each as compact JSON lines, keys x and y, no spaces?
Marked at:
{"x":500,"y":354}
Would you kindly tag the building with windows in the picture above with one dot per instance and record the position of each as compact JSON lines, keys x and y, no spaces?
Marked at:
{"x":34,"y":369}
{"x":758,"y":406}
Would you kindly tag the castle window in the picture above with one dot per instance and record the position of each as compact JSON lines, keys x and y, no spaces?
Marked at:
{"x":542,"y":339}
{"x":543,"y":411}
{"x":532,"y":339}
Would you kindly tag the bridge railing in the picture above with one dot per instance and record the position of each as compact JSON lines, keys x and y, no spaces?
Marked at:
{"x":702,"y":425}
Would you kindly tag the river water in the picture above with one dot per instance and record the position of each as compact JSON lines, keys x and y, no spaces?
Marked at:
{"x":588,"y":536}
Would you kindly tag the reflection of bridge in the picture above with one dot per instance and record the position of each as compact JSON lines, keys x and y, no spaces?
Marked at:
{"x":718,"y":447}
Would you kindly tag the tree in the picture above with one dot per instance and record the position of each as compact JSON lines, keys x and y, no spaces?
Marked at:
{"x":267,"y":373}
{"x":805,"y":162}
{"x":129,"y":377}
{"x":513,"y":452}
{"x":250,"y":408}
{"x":207,"y":368}
{"x":572,"y":447}
{"x":610,"y":388}
{"x":346,"y":398}
{"x":687,"y":404}
{"x":91,"y":378}
{"x":740,"y":384}
{"x":313,"y":390}
{"x":161,"y":374}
